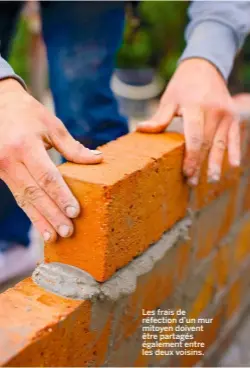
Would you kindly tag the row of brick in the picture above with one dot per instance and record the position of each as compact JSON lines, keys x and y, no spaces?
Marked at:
{"x":44,"y":329}
{"x":131,"y":199}
{"x":128,"y":202}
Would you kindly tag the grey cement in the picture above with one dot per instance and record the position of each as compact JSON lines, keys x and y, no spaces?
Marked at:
{"x":66,"y":280}
{"x":70,"y":282}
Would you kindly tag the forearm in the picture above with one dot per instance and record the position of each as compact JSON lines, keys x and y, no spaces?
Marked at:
{"x":6,"y":71}
{"x":216,"y":32}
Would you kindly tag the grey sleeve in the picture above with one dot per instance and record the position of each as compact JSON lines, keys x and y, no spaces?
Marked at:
{"x":6,"y":71}
{"x":216,"y":32}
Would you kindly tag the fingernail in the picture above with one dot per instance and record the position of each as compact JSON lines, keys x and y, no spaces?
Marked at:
{"x":147,"y":124}
{"x":214,"y":173}
{"x":213,"y":178}
{"x":46,"y":236}
{"x":64,"y":231}
{"x":188,"y":172}
{"x":96,"y":152}
{"x":193,"y":181}
{"x":72,"y":211}
{"x":235,"y":163}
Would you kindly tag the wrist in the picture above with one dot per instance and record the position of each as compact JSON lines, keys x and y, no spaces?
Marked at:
{"x":200,"y":65}
{"x":10,"y":84}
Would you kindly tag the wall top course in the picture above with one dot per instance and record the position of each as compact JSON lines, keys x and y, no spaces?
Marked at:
{"x":116,"y":166}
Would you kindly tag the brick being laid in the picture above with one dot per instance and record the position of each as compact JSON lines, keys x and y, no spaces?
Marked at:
{"x":127,"y":202}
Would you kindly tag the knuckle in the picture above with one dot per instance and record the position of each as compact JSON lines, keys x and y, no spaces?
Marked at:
{"x":195,"y":140}
{"x":206,"y":144}
{"x":191,"y":161}
{"x":16,"y":144}
{"x":220,"y":145}
{"x":14,"y":148}
{"x":32,"y":193}
{"x":20,"y":200}
{"x":47,"y":178}
{"x":61,"y":131}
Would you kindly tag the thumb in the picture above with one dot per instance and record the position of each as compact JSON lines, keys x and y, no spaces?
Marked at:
{"x":159,"y":122}
{"x":71,"y":149}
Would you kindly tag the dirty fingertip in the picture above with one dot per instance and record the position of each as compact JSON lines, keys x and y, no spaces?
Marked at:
{"x":193,"y":181}
{"x":214,"y":173}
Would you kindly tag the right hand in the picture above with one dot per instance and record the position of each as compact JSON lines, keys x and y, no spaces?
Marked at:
{"x":27,"y":130}
{"x":198,"y":93}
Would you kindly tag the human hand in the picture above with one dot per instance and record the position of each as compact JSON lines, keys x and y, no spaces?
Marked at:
{"x":198,"y":93}
{"x":27,"y":130}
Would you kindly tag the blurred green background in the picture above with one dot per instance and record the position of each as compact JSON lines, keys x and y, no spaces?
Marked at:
{"x":157,"y":43}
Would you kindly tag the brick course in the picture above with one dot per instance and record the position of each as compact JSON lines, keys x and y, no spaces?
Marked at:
{"x":151,"y":243}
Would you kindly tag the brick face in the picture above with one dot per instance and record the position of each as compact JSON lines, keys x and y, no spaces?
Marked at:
{"x":242,"y":243}
{"x":233,"y":299}
{"x":213,"y":223}
{"x":206,"y":192}
{"x":127,"y":203}
{"x":223,"y":265}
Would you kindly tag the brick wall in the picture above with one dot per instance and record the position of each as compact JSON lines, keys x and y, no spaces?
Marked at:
{"x":147,"y":242}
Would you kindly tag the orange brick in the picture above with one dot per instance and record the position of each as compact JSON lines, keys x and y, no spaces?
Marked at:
{"x":128,"y":316}
{"x":242,"y":243}
{"x":159,"y":283}
{"x":245,"y":194}
{"x":206,"y":192}
{"x":142,"y":360}
{"x":127,"y":202}
{"x":208,"y":336}
{"x":204,"y":297}
{"x":245,"y":143}
{"x":245,"y":282}
{"x":223,"y":265}
{"x":39,"y":329}
{"x":213,"y":223}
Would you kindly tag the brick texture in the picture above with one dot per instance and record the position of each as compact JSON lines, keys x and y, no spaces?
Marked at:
{"x":127,"y":202}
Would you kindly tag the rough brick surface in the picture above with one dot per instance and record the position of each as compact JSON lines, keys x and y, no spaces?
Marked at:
{"x":42,"y":328}
{"x":127,"y":202}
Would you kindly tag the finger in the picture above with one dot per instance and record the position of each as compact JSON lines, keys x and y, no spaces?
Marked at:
{"x":48,"y":177}
{"x":71,"y":149}
{"x":159,"y":122}
{"x":209,"y":131}
{"x":210,"y":126}
{"x":194,"y":179}
{"x":26,"y":191}
{"x":41,"y":224}
{"x":217,"y":151}
{"x":234,"y":151}
{"x":193,"y":122}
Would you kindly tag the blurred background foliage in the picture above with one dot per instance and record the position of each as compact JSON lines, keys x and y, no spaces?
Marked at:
{"x":159,"y":40}
{"x":19,"y":56}
{"x":158,"y":44}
